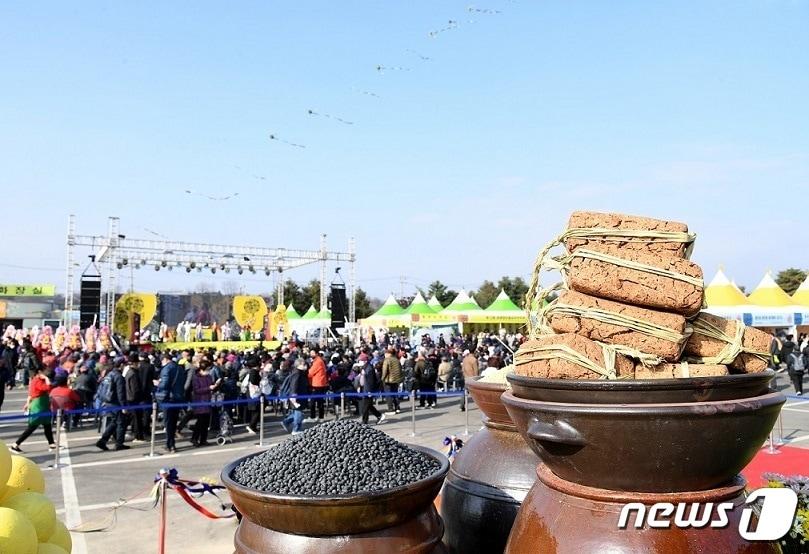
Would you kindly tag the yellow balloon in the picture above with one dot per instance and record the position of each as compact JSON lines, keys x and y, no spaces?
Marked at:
{"x":61,"y":537}
{"x":17,"y":534}
{"x":38,"y":509}
{"x":5,"y":466}
{"x":49,"y":548}
{"x":25,"y":476}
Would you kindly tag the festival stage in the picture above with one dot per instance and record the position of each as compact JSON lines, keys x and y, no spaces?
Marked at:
{"x":218,"y":345}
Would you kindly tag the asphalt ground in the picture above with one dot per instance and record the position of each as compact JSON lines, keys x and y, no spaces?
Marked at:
{"x":89,"y":486}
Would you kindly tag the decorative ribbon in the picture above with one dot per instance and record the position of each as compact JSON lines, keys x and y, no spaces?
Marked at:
{"x":185,"y":488}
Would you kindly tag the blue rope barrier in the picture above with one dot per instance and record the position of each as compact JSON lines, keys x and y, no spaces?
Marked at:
{"x":220,"y":403}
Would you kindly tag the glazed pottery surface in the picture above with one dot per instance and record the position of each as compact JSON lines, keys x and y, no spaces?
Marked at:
{"x":642,"y":391}
{"x":395,"y":520}
{"x":418,"y":535}
{"x":561,"y":517}
{"x":488,"y":479}
{"x":646,"y":447}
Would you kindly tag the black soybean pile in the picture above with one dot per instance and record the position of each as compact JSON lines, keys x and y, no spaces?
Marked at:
{"x":339,"y":457}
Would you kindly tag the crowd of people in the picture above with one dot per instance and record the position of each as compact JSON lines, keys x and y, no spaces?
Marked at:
{"x":115,"y":390}
{"x":792,"y":356}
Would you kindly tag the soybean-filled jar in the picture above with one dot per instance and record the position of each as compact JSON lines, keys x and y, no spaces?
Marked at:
{"x":314,"y":499}
{"x":488,"y":479}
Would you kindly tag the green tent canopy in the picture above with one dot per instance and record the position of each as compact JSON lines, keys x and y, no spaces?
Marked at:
{"x":324,"y":314}
{"x":390,"y":308}
{"x":435,"y":304}
{"x":503,"y":305}
{"x":292,"y":313}
{"x":463,"y":303}
{"x":311,"y":313}
{"x":419,"y":306}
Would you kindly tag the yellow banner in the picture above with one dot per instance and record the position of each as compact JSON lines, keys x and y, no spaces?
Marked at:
{"x":142,"y":303}
{"x":249,"y":311}
{"x":27,"y":290}
{"x":434,"y":318}
{"x":279,"y":322}
{"x":474,"y":318}
{"x":218,"y":345}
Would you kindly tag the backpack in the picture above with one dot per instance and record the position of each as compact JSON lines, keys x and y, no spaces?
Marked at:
{"x":797,"y":363}
{"x":265,"y":385}
{"x":104,"y":392}
{"x":430,"y":373}
{"x":286,"y":386}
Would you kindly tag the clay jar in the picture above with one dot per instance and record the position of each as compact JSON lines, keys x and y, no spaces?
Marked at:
{"x":562,"y":517}
{"x":402,"y":519}
{"x":488,"y":479}
{"x":646,"y":447}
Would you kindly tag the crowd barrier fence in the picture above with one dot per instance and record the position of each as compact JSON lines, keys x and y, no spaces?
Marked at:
{"x":262,"y":400}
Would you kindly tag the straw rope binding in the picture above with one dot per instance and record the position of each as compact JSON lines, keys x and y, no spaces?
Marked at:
{"x":732,"y":348}
{"x":536,"y":295}
{"x":530,"y":354}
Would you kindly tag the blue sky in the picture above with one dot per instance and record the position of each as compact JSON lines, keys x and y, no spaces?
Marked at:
{"x":460,"y":169}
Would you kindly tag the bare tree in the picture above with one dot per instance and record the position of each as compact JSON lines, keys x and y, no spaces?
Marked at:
{"x":230,"y":288}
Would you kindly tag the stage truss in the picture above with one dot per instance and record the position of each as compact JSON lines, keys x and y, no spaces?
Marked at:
{"x":115,"y":251}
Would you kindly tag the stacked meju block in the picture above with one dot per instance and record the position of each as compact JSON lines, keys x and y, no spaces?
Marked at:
{"x":630,"y":308}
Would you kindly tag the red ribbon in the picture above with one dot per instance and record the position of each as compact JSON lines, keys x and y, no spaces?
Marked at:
{"x":196,"y":505}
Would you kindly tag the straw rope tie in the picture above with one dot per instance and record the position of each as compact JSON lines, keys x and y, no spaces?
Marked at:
{"x":622,"y":320}
{"x":564,"y":352}
{"x":537,"y":293}
{"x":646,"y":268}
{"x":732,"y":348}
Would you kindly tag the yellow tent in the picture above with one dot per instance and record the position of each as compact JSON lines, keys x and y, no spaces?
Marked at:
{"x":768,"y":293}
{"x":801,"y":296}
{"x":721,"y":292}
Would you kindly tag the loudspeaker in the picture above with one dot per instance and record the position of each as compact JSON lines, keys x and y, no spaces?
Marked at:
{"x":338,"y":306}
{"x":89,"y":300}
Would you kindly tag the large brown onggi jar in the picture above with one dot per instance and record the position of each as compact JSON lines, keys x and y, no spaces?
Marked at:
{"x":562,"y":517}
{"x":488,"y":479}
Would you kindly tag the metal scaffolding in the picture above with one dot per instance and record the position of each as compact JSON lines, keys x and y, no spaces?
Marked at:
{"x":115,"y":251}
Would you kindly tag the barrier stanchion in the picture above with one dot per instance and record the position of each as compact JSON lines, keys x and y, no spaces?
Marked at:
{"x":780,"y":430}
{"x":342,"y":405}
{"x":162,"y":527}
{"x":58,"y":438}
{"x":261,"y":421}
{"x":771,"y":449}
{"x":152,"y":453}
{"x":466,"y":413}
{"x":413,"y":413}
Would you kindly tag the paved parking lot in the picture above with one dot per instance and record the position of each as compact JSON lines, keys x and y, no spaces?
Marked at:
{"x":87,"y":489}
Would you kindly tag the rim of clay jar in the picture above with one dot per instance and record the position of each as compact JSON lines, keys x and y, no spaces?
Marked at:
{"x":674,"y":408}
{"x":476,"y":388}
{"x":497,"y":426}
{"x":551,"y":480}
{"x":638,"y":385}
{"x":339,"y":499}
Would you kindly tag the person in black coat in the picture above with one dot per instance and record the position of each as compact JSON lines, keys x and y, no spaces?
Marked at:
{"x":115,"y":398}
{"x":369,"y":383}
